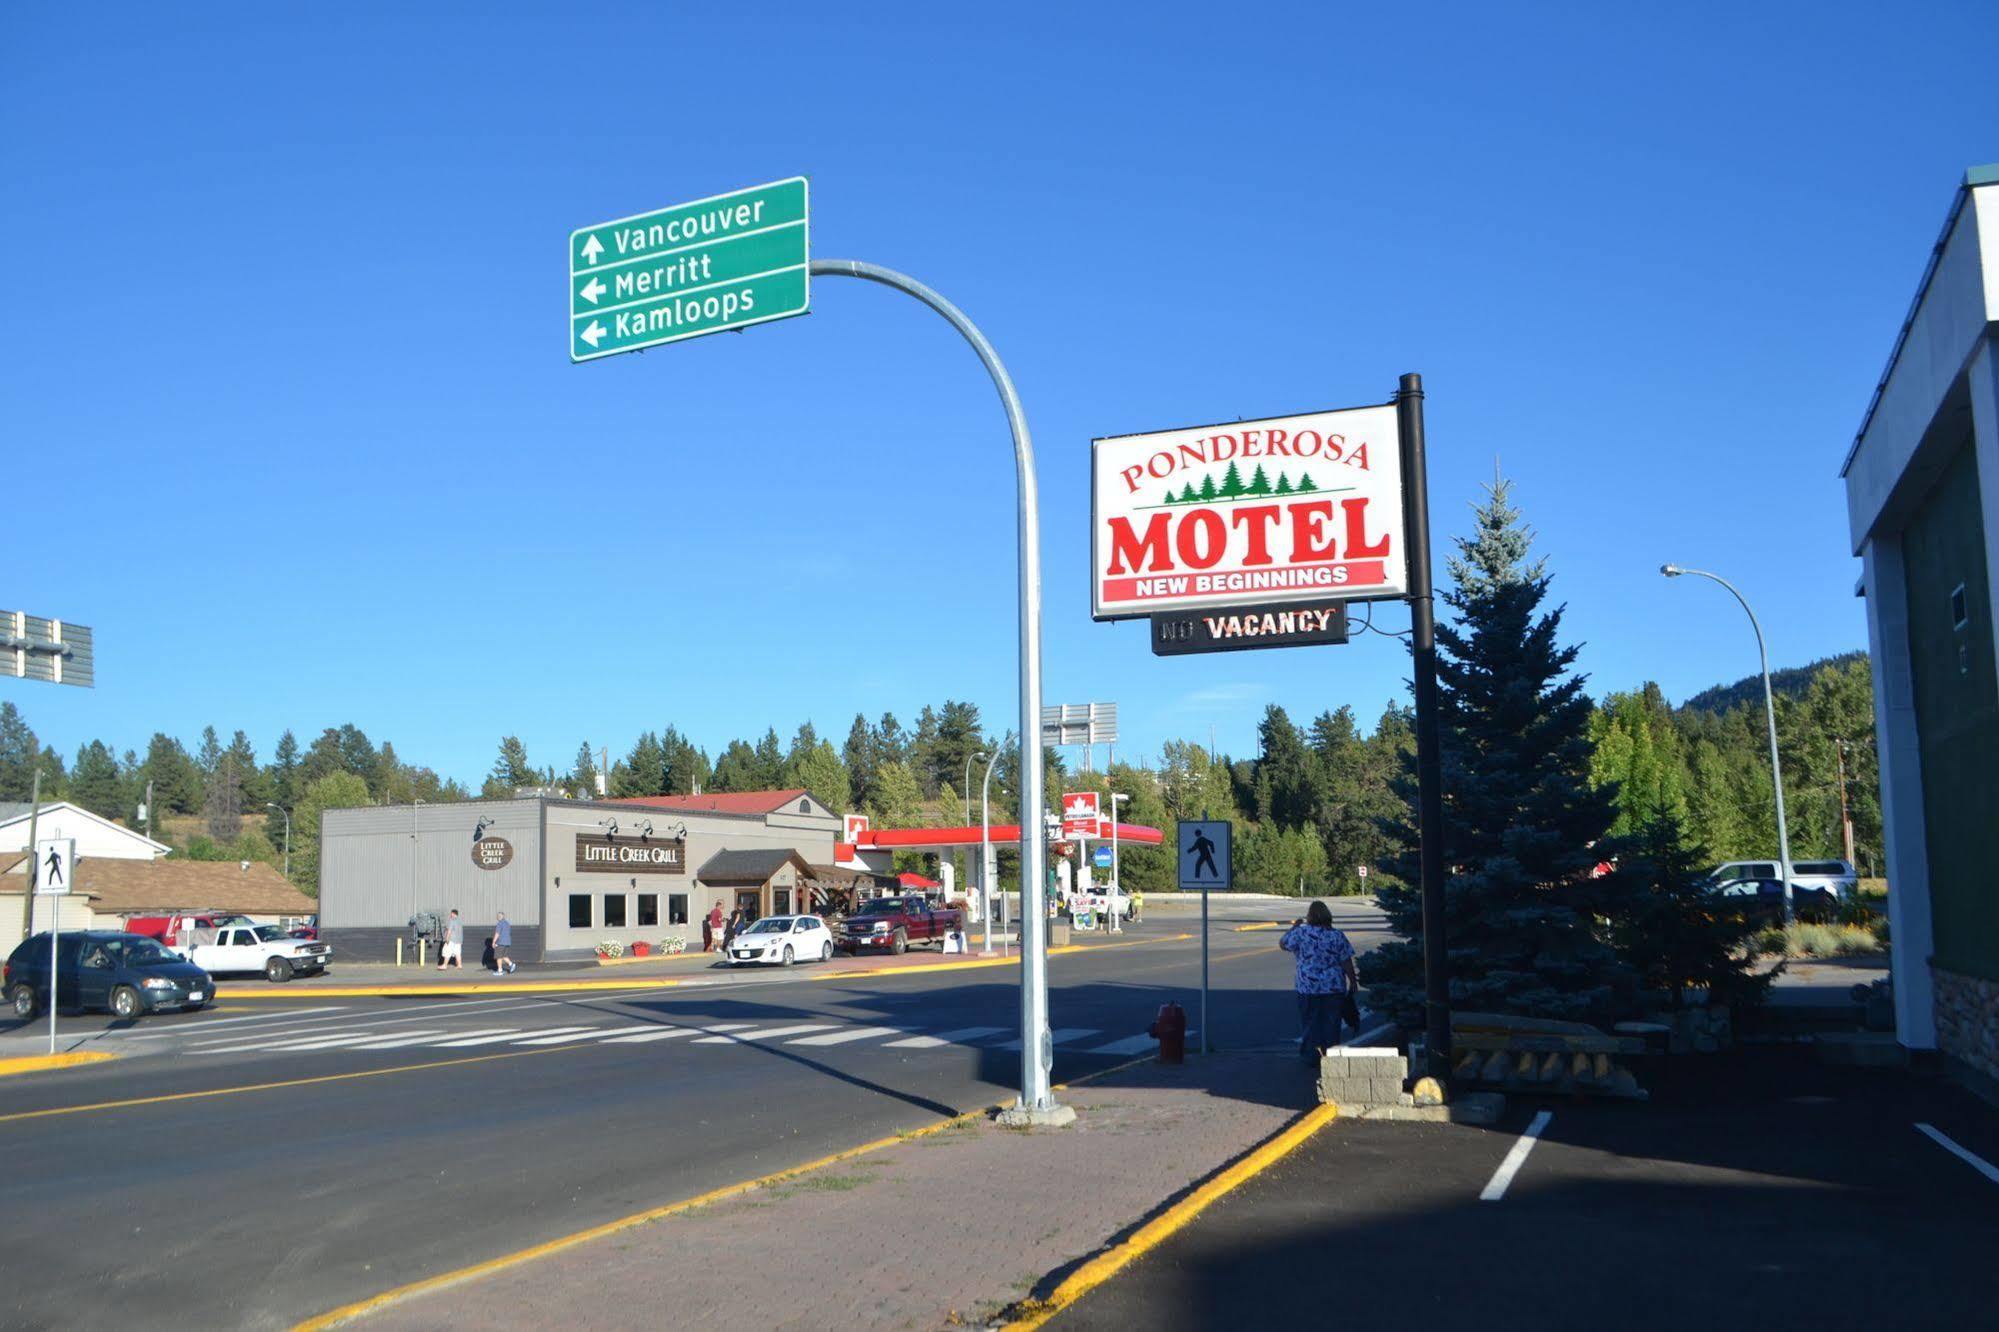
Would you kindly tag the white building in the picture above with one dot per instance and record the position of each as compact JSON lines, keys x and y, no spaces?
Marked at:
{"x":94,"y":835}
{"x":1922,"y":490}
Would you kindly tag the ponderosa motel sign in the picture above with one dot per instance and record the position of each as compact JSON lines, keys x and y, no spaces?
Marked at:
{"x":1291,"y":508}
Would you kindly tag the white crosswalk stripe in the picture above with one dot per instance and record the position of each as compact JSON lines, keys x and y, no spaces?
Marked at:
{"x":1060,"y":1036}
{"x":851,"y":1034}
{"x":505,"y":1036}
{"x":587,"y":1033}
{"x":323,"y":1041}
{"x":763,"y":1034}
{"x":1130,"y":1045}
{"x":962,"y":1036}
{"x":639,"y":1038}
{"x":391,"y":1041}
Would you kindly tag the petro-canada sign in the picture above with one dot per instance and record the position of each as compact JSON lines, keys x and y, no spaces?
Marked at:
{"x":1289,"y":508}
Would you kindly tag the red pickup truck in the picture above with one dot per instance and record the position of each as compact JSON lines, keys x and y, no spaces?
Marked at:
{"x":896,"y":922}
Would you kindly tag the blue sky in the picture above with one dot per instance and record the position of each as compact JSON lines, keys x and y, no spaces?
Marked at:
{"x":288,"y":414}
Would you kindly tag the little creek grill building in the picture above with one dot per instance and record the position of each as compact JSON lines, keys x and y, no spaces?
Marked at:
{"x":569,"y":874}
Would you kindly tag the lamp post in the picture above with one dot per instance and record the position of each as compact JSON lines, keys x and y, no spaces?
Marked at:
{"x":272,"y":804}
{"x":1117,"y":869}
{"x":1770,"y":718}
{"x":985,"y":838}
{"x":415,"y":805}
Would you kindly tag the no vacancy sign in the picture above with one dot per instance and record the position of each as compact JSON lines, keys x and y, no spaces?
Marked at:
{"x":1290,"y":508}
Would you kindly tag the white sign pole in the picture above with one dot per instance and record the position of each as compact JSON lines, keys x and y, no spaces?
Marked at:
{"x":56,"y":857}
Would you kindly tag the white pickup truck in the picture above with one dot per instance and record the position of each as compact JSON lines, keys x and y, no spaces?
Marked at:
{"x":264,"y":948}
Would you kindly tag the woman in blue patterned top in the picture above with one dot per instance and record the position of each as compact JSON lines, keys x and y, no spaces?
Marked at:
{"x":1325,"y":971}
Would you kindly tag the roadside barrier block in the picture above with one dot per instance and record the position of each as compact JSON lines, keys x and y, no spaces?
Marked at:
{"x":1363,"y":1077}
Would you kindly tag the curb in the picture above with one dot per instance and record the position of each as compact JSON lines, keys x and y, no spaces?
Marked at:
{"x":1032,"y":1313}
{"x":37,"y":1063}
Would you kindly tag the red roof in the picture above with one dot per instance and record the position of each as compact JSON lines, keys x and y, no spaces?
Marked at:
{"x":916,"y":881}
{"x":727,"y":802}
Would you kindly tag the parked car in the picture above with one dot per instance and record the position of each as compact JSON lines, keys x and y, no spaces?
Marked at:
{"x":896,"y":922}
{"x":126,"y":974}
{"x":1834,"y":876}
{"x":169,"y":929}
{"x":780,"y":941}
{"x":265,"y":948}
{"x":309,"y":930}
{"x":1763,"y":899}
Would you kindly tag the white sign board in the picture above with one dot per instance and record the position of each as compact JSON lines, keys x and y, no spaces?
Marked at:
{"x":55,"y":863}
{"x":852,"y":826}
{"x":1290,"y":508}
{"x":1204,"y":853}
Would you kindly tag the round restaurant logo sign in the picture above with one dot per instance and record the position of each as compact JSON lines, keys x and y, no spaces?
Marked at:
{"x":491,"y":853}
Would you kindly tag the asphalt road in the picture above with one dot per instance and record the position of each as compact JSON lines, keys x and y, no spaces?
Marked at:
{"x":1756,"y":1189}
{"x":417,"y":1135}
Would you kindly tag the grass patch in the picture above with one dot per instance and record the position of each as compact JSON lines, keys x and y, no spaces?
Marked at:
{"x":831,"y":1183}
{"x":1805,"y":940}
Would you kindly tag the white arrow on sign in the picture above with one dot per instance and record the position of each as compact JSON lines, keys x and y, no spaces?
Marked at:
{"x":592,"y":248}
{"x":593,"y":334}
{"x":592,"y":290}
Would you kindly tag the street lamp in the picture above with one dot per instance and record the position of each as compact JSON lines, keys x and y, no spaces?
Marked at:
{"x":415,"y":805}
{"x":985,"y":837}
{"x":1770,"y":717}
{"x":1117,"y":870}
{"x":272,"y":804}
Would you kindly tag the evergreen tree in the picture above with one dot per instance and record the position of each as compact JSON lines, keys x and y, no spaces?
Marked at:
{"x":770,"y":763}
{"x":337,"y":790}
{"x":1674,"y":935}
{"x":642,"y":772}
{"x":583,"y":773}
{"x":55,"y":779}
{"x":820,"y":771}
{"x":859,"y":756}
{"x":1283,"y":484}
{"x":19,"y":751}
{"x":256,"y":782}
{"x":923,"y":752}
{"x":1520,"y":817}
{"x":1187,"y":495}
{"x":284,"y":770}
{"x":512,"y":772}
{"x":1305,"y":483}
{"x":176,"y":781}
{"x":686,"y":766}
{"x":208,"y":755}
{"x":1232,"y":487}
{"x":96,"y":784}
{"x":1207,"y":487}
{"x":1259,"y":484}
{"x":1636,"y":754}
{"x":738,"y":769}
{"x":358,"y":756}
{"x":1288,"y":788}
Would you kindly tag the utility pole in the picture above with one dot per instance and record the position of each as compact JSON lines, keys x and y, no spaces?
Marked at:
{"x":1845,"y":811}
{"x":28,"y":900}
{"x":1429,"y":750}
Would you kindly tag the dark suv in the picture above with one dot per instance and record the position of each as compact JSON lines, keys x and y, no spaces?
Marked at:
{"x":127,"y":974}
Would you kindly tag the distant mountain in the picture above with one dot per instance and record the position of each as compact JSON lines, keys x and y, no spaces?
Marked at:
{"x":1791,"y":682}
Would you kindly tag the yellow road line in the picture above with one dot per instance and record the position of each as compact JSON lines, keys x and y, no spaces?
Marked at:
{"x":36,"y":1063}
{"x":1259,"y":925}
{"x":1012,"y":961}
{"x":274,"y":1086}
{"x":334,"y":1317}
{"x":1033,"y":1313}
{"x":634,"y":983}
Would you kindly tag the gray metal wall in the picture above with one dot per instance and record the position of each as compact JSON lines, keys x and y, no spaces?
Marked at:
{"x":380,"y":865}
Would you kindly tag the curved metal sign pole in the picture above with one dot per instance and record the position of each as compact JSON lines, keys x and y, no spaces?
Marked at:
{"x":1037,"y":1055}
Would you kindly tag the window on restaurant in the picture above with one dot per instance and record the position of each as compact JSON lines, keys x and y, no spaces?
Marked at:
{"x":648,"y":908}
{"x":579,"y":911}
{"x":614,"y":911}
{"x":676,"y":908}
{"x":781,"y":901}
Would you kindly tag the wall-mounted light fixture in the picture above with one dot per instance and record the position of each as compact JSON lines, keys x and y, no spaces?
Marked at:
{"x":609,"y":825}
{"x":647,"y":830}
{"x":479,"y":829}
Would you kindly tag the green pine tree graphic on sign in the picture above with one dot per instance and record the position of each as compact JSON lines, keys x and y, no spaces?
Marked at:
{"x":1259,"y":484}
{"x":1283,"y":484}
{"x":1305,"y":483}
{"x":1207,"y":487}
{"x":1232,"y":487}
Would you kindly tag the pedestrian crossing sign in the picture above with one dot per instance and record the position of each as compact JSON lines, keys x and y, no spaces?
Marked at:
{"x":1204,"y":846}
{"x":55,"y":859}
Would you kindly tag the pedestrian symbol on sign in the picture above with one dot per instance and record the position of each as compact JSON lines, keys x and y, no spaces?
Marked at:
{"x":1204,"y":853}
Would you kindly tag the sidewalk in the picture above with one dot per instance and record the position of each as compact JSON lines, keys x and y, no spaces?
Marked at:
{"x":944,"y":1228}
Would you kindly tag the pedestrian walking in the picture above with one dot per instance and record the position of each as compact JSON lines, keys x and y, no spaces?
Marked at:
{"x":1137,"y":905}
{"x":503,"y":944}
{"x":1325,"y":974}
{"x":729,"y":930}
{"x":453,"y":952}
{"x":711,"y":925}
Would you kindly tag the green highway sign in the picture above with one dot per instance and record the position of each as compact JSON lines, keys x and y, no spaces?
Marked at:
{"x":703,"y":267}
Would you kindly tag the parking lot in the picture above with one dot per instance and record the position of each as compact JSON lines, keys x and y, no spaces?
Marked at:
{"x":1758,"y":1187}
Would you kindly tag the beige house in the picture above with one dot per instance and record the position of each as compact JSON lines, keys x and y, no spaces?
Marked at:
{"x":110,"y":891}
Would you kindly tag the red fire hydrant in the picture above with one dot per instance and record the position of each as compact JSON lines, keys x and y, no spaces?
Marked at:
{"x":1170,"y":1027}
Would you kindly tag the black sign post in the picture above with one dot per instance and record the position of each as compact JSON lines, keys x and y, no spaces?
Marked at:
{"x":1429,"y":763}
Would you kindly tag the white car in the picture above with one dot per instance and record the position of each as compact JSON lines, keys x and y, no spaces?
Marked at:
{"x":1834,"y":876}
{"x":780,"y":941}
{"x":265,"y":948}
